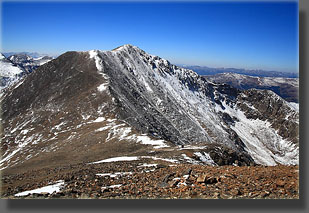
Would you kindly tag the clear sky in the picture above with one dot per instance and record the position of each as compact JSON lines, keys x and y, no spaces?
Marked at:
{"x":241,"y":35}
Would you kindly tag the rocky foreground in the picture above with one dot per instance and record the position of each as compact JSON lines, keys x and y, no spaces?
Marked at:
{"x":157,"y":180}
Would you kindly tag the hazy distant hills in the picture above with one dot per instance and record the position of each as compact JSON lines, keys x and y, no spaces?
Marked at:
{"x":31,"y":54}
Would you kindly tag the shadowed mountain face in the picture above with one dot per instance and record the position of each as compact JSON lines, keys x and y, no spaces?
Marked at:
{"x":86,"y":106}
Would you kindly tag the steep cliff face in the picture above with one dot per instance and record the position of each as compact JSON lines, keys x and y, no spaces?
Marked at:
{"x":100,"y":103}
{"x":153,"y":93}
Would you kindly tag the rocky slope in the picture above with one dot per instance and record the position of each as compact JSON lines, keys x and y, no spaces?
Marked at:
{"x":287,"y":88}
{"x":125,"y":102}
{"x":154,"y":180}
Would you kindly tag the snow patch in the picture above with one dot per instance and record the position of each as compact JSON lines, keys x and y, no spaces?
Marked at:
{"x":262,"y":142}
{"x":189,"y":160}
{"x":102,"y":87}
{"x":147,"y":165}
{"x":205,"y":158}
{"x":132,"y":158}
{"x":148,"y":141}
{"x":94,"y":54}
{"x":102,"y":129}
{"x":294,"y":106}
{"x":163,"y":159}
{"x":46,"y":189}
{"x":114,"y":174}
{"x":8,"y":70}
{"x":111,"y":186}
{"x":116,"y":159}
{"x":99,"y":119}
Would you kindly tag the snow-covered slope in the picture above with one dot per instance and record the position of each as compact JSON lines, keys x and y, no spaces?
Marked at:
{"x":122,"y":99}
{"x":13,"y":68}
{"x":42,"y":60}
{"x":8,"y":71}
{"x":191,"y":108}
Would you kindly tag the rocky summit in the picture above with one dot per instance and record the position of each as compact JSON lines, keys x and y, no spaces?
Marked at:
{"x":83,"y":111}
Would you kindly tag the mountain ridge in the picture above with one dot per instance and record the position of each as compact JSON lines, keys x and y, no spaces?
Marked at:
{"x":116,"y":102}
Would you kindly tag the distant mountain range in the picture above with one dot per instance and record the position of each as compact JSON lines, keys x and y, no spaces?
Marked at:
{"x":31,"y":54}
{"x":204,"y":70}
{"x":286,"y":88}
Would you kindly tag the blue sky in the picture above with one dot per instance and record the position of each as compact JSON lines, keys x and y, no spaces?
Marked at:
{"x":241,"y":35}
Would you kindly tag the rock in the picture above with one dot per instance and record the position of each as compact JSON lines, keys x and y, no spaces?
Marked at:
{"x":174,"y":183}
{"x":217,"y":195}
{"x":230,"y":176}
{"x":236,"y":192}
{"x":201,"y":178}
{"x":187,"y":172}
{"x":161,"y":166}
{"x":265,"y":194}
{"x":280,"y":183}
{"x":211,"y":180}
{"x":193,"y":194}
{"x":69,"y":178}
{"x":167,"y":177}
{"x":163,"y":185}
{"x":44,"y":193}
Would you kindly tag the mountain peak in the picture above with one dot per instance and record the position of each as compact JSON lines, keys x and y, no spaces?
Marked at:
{"x":118,"y":98}
{"x":128,"y":47}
